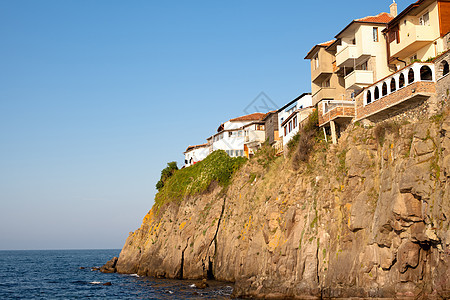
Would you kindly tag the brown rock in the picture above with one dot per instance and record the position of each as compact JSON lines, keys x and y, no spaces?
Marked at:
{"x":408,"y":256}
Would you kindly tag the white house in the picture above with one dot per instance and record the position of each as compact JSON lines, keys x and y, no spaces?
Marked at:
{"x":194,"y":154}
{"x":302,"y":101}
{"x":291,"y":125}
{"x":230,"y":135}
{"x":254,"y":136}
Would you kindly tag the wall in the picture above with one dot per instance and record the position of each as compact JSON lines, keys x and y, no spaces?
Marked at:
{"x":196,"y":155}
{"x":271,"y":125}
{"x":305,"y":101}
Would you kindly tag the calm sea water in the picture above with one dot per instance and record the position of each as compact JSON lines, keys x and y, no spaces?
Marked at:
{"x":57,"y":275}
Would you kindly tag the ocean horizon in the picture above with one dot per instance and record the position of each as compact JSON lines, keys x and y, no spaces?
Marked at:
{"x":67,"y":274}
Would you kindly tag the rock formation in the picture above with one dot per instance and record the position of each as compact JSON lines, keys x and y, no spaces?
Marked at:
{"x":368,"y":217}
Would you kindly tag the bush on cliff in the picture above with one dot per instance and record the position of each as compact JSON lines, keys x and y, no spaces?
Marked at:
{"x":303,"y":142}
{"x":218,"y":166}
{"x":166,"y":173}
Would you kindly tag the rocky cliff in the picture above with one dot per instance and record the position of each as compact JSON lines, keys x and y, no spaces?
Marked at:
{"x":368,"y":217}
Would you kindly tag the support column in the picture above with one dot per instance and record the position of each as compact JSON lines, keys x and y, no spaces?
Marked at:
{"x":333,"y":132}
{"x":325,"y":134}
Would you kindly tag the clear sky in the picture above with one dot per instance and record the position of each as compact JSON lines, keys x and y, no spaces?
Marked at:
{"x":96,"y":96}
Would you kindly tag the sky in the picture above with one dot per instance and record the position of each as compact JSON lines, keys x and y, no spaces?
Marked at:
{"x":96,"y":96}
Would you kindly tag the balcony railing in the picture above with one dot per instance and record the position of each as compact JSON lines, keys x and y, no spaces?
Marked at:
{"x":358,"y":79}
{"x":344,"y":53}
{"x":333,"y":109}
{"x":414,"y":82}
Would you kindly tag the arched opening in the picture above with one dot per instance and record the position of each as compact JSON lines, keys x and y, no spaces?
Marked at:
{"x":376,"y":93}
{"x":426,"y":73}
{"x":410,"y":76}
{"x":401,"y":81}
{"x":384,"y":89}
{"x":369,"y":97}
{"x":444,"y":68}
{"x":393,"y":86}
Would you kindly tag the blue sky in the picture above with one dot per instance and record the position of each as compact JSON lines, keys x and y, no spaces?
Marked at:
{"x":97,"y":96}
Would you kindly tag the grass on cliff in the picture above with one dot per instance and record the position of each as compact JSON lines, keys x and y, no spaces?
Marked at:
{"x":218,"y":167}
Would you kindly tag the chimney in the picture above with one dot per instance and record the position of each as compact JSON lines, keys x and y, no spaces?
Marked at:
{"x":393,"y":8}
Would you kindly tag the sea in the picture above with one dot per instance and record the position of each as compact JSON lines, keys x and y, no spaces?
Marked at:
{"x":67,"y":274}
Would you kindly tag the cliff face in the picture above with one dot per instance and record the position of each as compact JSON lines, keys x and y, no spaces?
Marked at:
{"x":366,"y":218}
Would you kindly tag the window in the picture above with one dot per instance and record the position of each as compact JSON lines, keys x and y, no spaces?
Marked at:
{"x":363,"y":66}
{"x":426,"y":73}
{"x":326,"y":83}
{"x":376,"y":93}
{"x":316,"y":61}
{"x":393,"y":86}
{"x":413,"y":58}
{"x":290,"y":126}
{"x":241,"y":152}
{"x":369,"y":97}
{"x":424,"y":20}
{"x":384,"y":89}
{"x":295,"y":122}
{"x":236,"y":152}
{"x":375,"y":34}
{"x":410,"y":76}
{"x":401,"y":81}
{"x":285,"y":130}
{"x":228,"y":152}
{"x":444,"y":68}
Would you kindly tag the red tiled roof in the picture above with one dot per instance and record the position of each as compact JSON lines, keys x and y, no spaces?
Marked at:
{"x":326,"y":44}
{"x":380,"y":18}
{"x":195,"y":147}
{"x":250,"y":117}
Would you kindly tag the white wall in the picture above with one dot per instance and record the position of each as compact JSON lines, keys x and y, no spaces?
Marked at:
{"x":196,"y":155}
{"x":303,"y":102}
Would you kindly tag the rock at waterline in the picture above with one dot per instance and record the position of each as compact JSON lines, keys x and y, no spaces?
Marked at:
{"x":110,"y":266}
{"x":107,"y":283}
{"x":202,"y":285}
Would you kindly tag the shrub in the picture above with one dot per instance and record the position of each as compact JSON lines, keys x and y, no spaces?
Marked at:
{"x":217,"y":167}
{"x":305,"y":140}
{"x":166,"y":173}
{"x":265,"y":155}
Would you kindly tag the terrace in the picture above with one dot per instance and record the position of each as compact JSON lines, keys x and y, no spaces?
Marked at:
{"x":411,"y":85}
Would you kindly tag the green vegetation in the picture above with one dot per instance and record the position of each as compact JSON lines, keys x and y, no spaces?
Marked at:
{"x":218,"y":167}
{"x":166,"y":173}
{"x":303,"y":142}
{"x":265,"y":155}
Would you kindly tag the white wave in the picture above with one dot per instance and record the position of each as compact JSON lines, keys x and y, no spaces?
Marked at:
{"x":95,"y":282}
{"x":192,"y":285}
{"x":134,"y":275}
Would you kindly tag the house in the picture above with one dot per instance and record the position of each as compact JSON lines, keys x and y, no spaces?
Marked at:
{"x":342,"y":68}
{"x":271,"y":127}
{"x":361,"y":52}
{"x":194,"y":154}
{"x":335,"y":109}
{"x":414,"y":38}
{"x":417,"y":33}
{"x":304,"y":100}
{"x":254,"y":136}
{"x":291,"y":125}
{"x":231,"y":135}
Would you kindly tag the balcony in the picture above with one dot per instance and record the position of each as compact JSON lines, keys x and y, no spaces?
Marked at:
{"x":336,"y":110}
{"x":403,"y":90}
{"x":348,"y":56}
{"x":412,"y":38}
{"x":324,"y":93}
{"x":255,"y":137}
{"x":358,"y":79}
